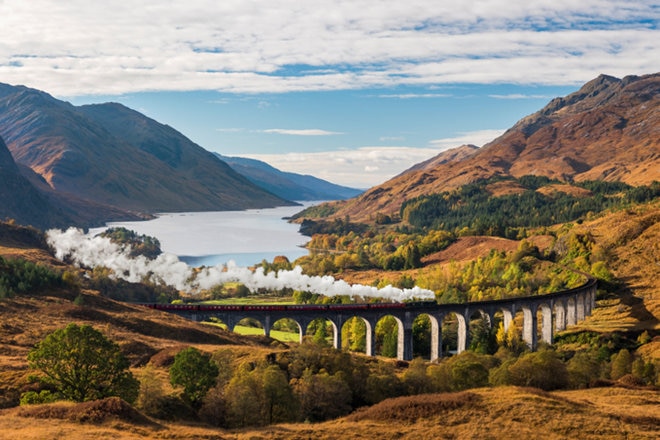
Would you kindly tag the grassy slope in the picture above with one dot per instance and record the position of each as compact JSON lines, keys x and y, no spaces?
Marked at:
{"x":602,"y":413}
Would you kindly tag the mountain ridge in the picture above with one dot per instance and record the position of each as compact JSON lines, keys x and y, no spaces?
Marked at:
{"x":609,"y":129}
{"x":81,"y":153}
{"x":288,"y":185}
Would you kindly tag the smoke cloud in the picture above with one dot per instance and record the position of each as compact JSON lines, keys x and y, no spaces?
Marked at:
{"x":92,"y":251}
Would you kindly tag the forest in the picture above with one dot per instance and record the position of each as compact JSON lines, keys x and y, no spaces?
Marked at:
{"x":472,"y":207}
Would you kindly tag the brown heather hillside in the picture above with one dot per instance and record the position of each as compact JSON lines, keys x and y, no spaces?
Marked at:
{"x":631,"y":238}
{"x":498,"y":413}
{"x":608,"y":130}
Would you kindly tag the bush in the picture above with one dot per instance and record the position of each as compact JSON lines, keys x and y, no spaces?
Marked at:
{"x":541,"y":369}
{"x":43,"y":396}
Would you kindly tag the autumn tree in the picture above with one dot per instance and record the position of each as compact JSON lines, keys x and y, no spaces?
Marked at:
{"x":387,"y":336}
{"x":321,"y":333}
{"x":354,"y":334}
{"x":259,"y":395}
{"x":151,"y":395}
{"x":81,"y":364}
{"x":621,"y":364}
{"x":382,"y":383}
{"x":279,"y":401}
{"x":583,"y":368}
{"x":470,"y":370}
{"x":541,"y":369}
{"x":415,"y":380}
{"x":322,"y":396}
{"x":244,"y":397}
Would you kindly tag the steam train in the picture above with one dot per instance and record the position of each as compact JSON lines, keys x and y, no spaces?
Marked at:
{"x":288,"y":307}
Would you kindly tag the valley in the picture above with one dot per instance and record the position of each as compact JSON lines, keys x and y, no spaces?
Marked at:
{"x":538,"y":210}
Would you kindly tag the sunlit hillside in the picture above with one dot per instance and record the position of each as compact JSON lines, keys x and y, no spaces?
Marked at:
{"x":608,"y":410}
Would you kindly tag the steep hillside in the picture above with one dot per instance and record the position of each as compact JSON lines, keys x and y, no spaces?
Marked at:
{"x":28,"y":199}
{"x":112,"y":155}
{"x":290,"y":186}
{"x":21,"y":201}
{"x":607,"y":130}
{"x":186,"y":158}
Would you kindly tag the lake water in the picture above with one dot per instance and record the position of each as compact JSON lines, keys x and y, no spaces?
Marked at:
{"x":211,"y":238}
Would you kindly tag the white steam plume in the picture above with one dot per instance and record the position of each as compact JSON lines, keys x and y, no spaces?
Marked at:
{"x":91,"y":251}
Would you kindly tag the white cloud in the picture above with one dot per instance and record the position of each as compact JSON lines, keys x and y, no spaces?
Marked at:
{"x":520,"y":96}
{"x":361,"y":168}
{"x":415,"y":95}
{"x":478,"y":138}
{"x":392,"y":138}
{"x":113,"y":47}
{"x":305,"y":132}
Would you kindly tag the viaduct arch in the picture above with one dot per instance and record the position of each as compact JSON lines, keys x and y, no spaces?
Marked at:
{"x":557,"y":310}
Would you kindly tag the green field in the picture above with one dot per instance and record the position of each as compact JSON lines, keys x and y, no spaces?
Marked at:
{"x":251,"y":300}
{"x":252,"y":331}
{"x":275,"y":334}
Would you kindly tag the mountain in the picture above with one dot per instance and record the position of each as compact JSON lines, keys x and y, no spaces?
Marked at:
{"x":19,"y":200}
{"x":112,"y":155}
{"x":607,"y":130}
{"x":28,"y":199}
{"x":290,"y":186}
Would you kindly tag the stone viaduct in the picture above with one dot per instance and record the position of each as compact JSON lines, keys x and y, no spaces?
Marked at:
{"x":550,"y":313}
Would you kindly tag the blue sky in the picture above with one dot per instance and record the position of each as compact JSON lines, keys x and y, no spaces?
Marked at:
{"x":350,"y":91}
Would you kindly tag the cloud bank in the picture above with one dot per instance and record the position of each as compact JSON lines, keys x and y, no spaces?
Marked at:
{"x":359,"y":168}
{"x":92,"y":251}
{"x":366,"y":167}
{"x":78,"y":47}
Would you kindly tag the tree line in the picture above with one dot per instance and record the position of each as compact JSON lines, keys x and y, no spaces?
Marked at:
{"x":473,"y":207}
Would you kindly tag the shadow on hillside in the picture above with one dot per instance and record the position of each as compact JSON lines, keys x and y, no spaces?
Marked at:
{"x":637,"y":305}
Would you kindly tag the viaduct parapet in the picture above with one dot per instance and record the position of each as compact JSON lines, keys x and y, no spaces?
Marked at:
{"x":552,"y":313}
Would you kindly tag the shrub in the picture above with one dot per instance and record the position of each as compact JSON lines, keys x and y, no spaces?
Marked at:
{"x":541,"y":369}
{"x":43,"y":396}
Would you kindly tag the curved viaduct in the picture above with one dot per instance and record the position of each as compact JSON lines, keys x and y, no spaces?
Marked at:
{"x":557,"y":311}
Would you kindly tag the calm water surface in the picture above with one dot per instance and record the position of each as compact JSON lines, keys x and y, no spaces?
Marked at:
{"x":211,"y":238}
